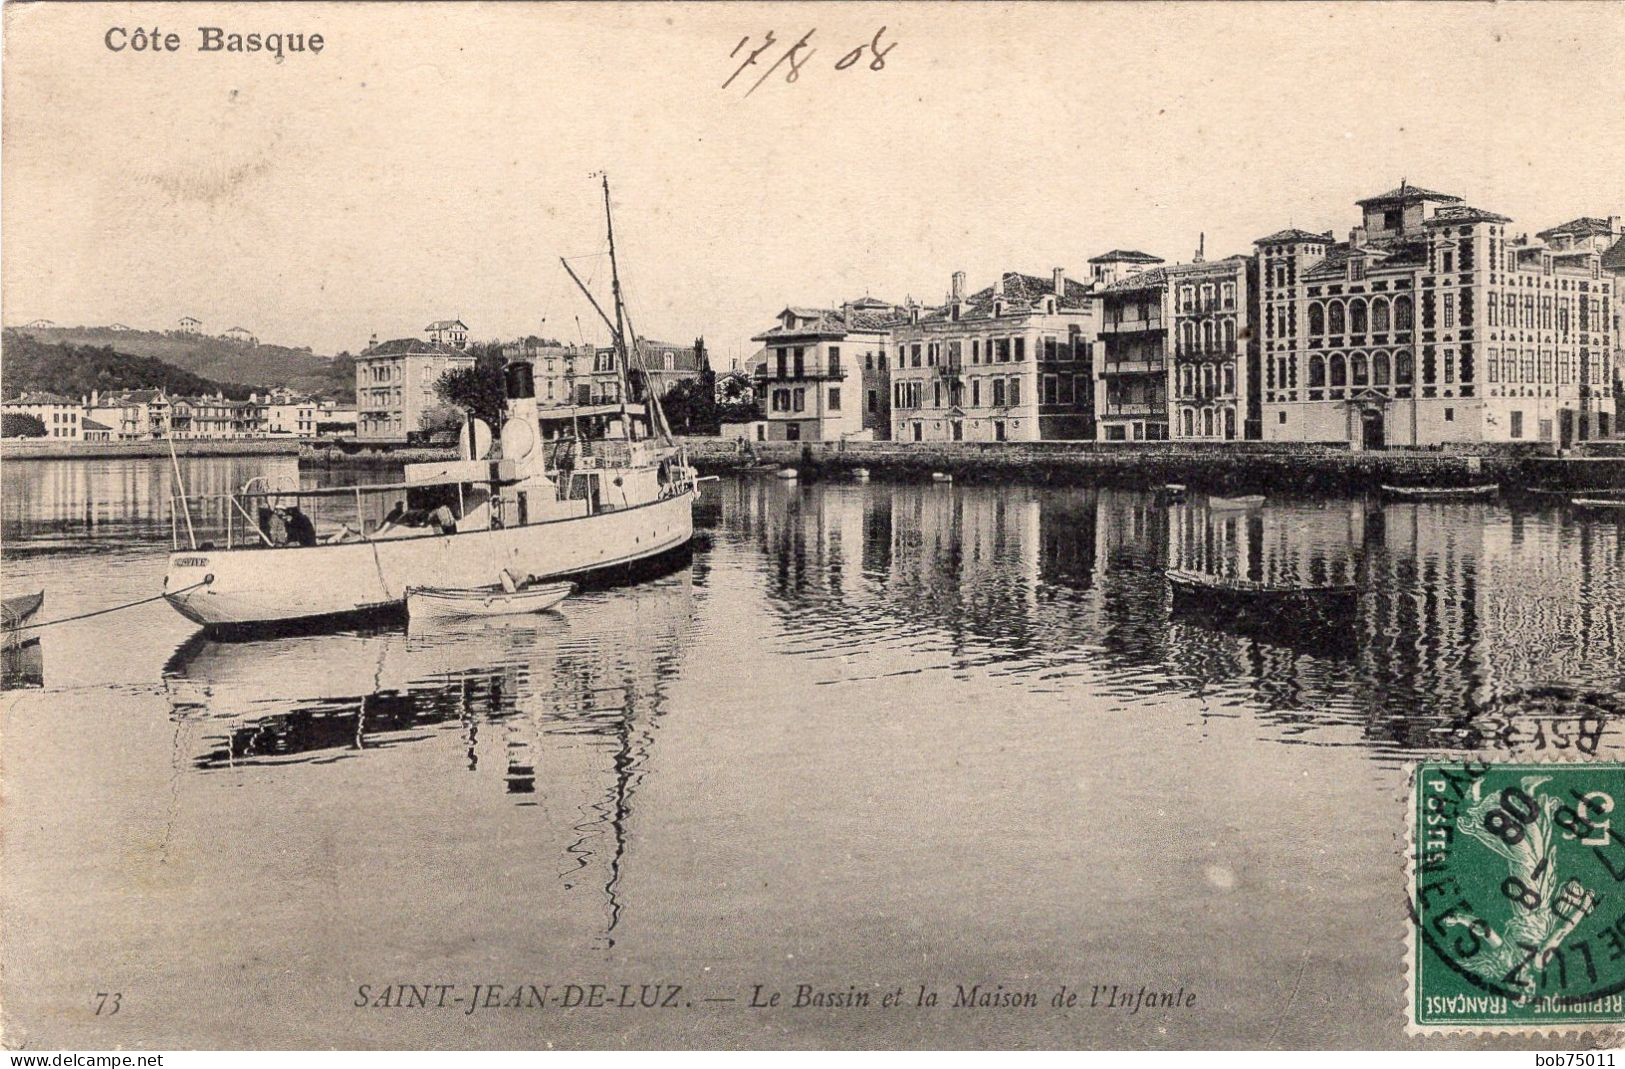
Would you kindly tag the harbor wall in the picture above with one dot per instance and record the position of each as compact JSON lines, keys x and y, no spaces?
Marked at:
{"x":46,"y":449}
{"x":1212,"y":466}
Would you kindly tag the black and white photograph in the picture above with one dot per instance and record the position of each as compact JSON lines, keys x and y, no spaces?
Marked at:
{"x":837,"y":526}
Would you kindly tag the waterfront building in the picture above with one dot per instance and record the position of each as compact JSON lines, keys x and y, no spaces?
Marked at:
{"x":334,"y":418}
{"x":95,"y":432}
{"x":1115,"y":266}
{"x":450,"y":332}
{"x":211,"y":417}
{"x":825,"y":376}
{"x":1131,"y":356}
{"x":62,"y":417}
{"x":1432,"y":324}
{"x":1177,"y":355}
{"x":666,"y":364}
{"x":1008,"y":363}
{"x":394,"y":385}
{"x":289,"y":414}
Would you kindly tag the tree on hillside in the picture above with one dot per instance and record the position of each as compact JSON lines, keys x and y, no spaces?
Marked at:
{"x":75,"y":370}
{"x":21,"y":425}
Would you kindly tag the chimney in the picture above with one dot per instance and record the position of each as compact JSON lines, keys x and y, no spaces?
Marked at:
{"x":372,"y":342}
{"x":1613,"y":224}
{"x":1060,"y":282}
{"x":998,"y":285}
{"x":959,"y":285}
{"x":1356,"y":236}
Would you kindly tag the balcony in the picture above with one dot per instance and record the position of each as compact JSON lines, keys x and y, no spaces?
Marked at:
{"x":1217,"y":351}
{"x":770,"y":373}
{"x":1148,"y":366}
{"x":1135,"y":408}
{"x":1132,"y":326}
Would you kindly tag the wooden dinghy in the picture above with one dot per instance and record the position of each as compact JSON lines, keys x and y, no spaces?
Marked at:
{"x":860,"y":475}
{"x":1222,"y":594}
{"x":1608,"y":503}
{"x":941,"y":477}
{"x":444,"y":603}
{"x":788,"y":473}
{"x":14,"y":613}
{"x":1246,"y":501}
{"x":1423,"y":493}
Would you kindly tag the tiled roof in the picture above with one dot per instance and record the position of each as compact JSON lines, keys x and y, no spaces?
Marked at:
{"x":1335,"y":265}
{"x":1406,"y":192}
{"x":40,"y":397}
{"x":1614,"y":258}
{"x":833,"y":321}
{"x":142,"y":397}
{"x":1461,"y":213}
{"x":88,"y":424}
{"x":1584,"y":225}
{"x":1132,"y":256}
{"x":1143,"y":280}
{"x":446,"y":324}
{"x":1292,"y":236}
{"x":413,"y":347}
{"x":1022,"y":293}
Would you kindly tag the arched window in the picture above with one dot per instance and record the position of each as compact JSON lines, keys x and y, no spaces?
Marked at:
{"x":1207,"y":422}
{"x":1187,"y":335}
{"x":1207,"y":379}
{"x":1317,"y":371}
{"x":1404,"y":371}
{"x":1207,"y":335}
{"x":1379,"y":316}
{"x":1357,"y":317}
{"x":1337,"y":317}
{"x":1229,"y":335}
{"x":1339,"y":370}
{"x":1317,"y":319}
{"x":1190,"y":423}
{"x":1402,"y":313}
{"x":1229,"y":378}
{"x":1358,"y":371}
{"x":1185,"y":379}
{"x":1379,"y":369}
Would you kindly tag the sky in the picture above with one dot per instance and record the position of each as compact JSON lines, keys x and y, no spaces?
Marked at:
{"x":435,"y":161}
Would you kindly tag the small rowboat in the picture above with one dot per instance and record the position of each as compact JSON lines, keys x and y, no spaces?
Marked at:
{"x":941,"y":477}
{"x":1223,"y":594}
{"x":1174,"y":491}
{"x":860,"y":474}
{"x":1246,"y":501}
{"x":1421,"y":493}
{"x":1598,"y":502}
{"x":14,"y":613}
{"x":431,"y":603}
{"x":788,"y":473}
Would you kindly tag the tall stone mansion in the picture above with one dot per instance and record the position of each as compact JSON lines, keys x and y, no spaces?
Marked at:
{"x":1435,"y":323}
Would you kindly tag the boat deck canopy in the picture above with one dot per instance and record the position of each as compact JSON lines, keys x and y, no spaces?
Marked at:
{"x":585,"y":411}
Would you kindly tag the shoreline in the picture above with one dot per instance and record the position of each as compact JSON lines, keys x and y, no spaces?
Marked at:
{"x":46,"y":449}
{"x":1232,"y":467}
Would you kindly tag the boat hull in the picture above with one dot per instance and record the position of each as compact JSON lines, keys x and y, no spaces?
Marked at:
{"x":248,"y":587}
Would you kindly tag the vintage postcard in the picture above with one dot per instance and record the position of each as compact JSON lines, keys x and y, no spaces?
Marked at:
{"x":885,"y":526}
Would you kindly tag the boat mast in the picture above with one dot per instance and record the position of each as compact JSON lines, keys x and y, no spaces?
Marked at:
{"x":621,"y":363}
{"x":657,"y":415}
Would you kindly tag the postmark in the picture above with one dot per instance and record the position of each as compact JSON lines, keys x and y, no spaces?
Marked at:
{"x":1517,"y":896}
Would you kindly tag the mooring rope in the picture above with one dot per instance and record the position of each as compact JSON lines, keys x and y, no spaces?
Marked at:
{"x":104,"y":612}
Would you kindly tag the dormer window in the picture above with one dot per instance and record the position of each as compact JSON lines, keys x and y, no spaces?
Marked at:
{"x":998,"y":309}
{"x":1049,"y":305}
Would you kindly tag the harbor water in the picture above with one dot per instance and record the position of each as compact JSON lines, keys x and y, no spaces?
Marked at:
{"x":877,"y":738}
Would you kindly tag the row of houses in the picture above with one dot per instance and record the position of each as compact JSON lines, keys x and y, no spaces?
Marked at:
{"x":1432,"y":322}
{"x":137,"y":415}
{"x":395,"y":379}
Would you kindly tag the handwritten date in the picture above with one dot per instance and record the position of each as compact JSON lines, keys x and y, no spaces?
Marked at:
{"x":798,"y":55}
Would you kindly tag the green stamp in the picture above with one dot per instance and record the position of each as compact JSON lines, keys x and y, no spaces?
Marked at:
{"x":1517,"y":896}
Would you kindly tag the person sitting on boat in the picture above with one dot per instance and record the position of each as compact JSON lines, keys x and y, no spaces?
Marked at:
{"x":442,"y":520}
{"x":392,"y":519}
{"x":343,"y":534}
{"x":301,"y":530}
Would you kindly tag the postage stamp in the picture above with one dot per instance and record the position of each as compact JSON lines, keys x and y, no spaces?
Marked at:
{"x":1517,"y":896}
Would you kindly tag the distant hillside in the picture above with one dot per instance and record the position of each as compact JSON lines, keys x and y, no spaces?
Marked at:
{"x":27,"y":363}
{"x":218,"y":359}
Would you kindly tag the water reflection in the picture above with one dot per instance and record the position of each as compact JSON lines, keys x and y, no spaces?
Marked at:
{"x":1468,"y":611}
{"x":567,"y":704}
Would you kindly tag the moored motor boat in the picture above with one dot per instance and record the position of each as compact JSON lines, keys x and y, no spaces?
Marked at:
{"x":1421,"y":493}
{"x":1246,"y":501}
{"x":578,"y":490}
{"x":440,"y":603}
